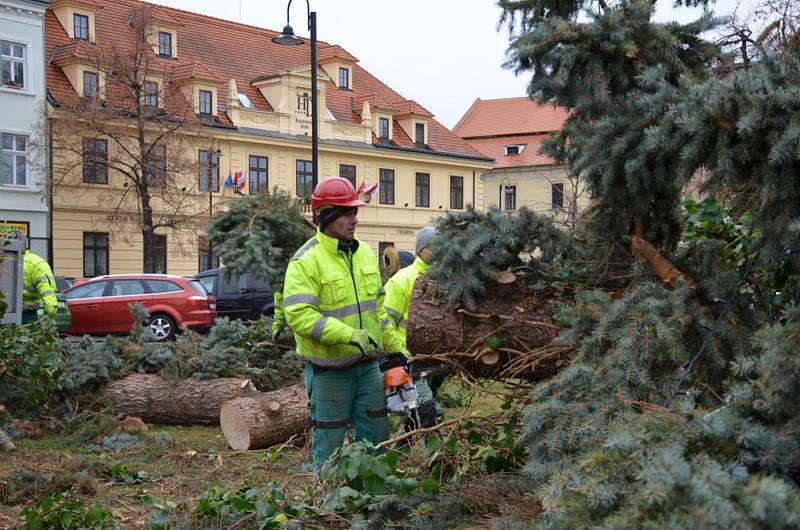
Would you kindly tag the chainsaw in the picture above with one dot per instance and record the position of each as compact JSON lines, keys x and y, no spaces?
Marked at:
{"x":401,"y":394}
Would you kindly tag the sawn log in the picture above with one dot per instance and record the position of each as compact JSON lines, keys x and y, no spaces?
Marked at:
{"x":186,"y":402}
{"x":265,"y":419}
{"x":509,"y":335}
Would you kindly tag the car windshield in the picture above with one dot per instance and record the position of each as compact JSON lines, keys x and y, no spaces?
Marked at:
{"x":207,"y":282}
{"x":87,"y":290}
{"x":62,"y":283}
{"x":199,"y":287}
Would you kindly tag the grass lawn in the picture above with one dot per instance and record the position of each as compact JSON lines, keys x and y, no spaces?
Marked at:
{"x":170,"y":463}
{"x":178,"y":467}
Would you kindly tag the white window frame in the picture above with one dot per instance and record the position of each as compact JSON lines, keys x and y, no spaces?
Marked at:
{"x":25,"y":70}
{"x":507,"y":192}
{"x":15,"y":154}
{"x":520,"y":148}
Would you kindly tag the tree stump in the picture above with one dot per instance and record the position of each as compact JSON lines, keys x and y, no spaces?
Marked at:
{"x":265,"y":419}
{"x":187,"y":402}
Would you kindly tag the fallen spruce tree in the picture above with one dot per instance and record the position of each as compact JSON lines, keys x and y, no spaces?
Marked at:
{"x":676,"y":407}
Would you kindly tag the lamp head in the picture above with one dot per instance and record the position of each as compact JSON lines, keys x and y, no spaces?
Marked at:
{"x":287,"y":38}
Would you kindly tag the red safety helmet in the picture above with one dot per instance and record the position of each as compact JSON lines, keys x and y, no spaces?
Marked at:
{"x":335,"y":191}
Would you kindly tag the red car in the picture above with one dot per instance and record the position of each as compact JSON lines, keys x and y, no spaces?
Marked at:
{"x":101,"y":305}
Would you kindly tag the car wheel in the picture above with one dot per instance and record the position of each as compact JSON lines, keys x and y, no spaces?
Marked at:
{"x":162,"y":326}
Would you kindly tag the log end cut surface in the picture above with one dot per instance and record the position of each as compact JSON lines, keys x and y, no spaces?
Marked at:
{"x":234,"y":427}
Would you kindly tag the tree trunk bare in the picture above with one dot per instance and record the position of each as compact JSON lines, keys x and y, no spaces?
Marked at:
{"x":263,"y":420}
{"x":187,"y":402}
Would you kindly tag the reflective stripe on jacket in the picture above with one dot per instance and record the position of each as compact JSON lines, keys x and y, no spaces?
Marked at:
{"x":398,"y":296}
{"x":328,"y":293}
{"x":39,"y":285}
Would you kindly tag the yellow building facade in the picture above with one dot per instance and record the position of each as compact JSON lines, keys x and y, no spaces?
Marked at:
{"x":259,"y":124}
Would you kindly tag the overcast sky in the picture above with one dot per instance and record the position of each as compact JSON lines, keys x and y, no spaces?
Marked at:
{"x":441,"y":53}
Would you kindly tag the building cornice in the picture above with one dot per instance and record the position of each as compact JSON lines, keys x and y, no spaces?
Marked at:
{"x":17,"y":8}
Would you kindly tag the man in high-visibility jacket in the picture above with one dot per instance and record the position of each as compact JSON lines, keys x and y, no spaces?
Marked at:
{"x":398,"y":300}
{"x":333,"y":302}
{"x":39,"y":287}
{"x":278,"y":317}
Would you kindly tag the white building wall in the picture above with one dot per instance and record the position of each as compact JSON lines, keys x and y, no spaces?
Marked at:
{"x":21,"y":113}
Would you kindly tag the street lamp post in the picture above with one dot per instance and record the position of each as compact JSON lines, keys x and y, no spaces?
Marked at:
{"x":210,"y":182}
{"x":288,"y":39}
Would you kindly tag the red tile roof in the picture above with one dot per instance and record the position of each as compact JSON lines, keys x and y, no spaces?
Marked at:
{"x":240,"y":52}
{"x":79,"y":49}
{"x":375,"y":101}
{"x":194,"y":71}
{"x":333,"y":53}
{"x":410,"y":106}
{"x":496,"y":117}
{"x":495,"y":148}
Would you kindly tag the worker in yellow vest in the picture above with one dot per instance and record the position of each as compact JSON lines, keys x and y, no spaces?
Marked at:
{"x":39,"y":285}
{"x":398,"y":300}
{"x":333,"y":302}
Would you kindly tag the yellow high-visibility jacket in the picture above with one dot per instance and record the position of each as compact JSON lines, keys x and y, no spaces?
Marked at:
{"x":278,"y":318}
{"x":327,"y":293}
{"x":398,"y":296}
{"x":39,"y":289}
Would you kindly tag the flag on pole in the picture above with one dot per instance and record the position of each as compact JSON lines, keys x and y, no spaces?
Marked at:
{"x":366,"y":193}
{"x":229,"y":180}
{"x":371,"y":190}
{"x":240,"y":180}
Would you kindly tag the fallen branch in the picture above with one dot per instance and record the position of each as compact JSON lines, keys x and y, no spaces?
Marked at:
{"x":415,"y":432}
{"x":511,"y":319}
{"x":668,"y":273}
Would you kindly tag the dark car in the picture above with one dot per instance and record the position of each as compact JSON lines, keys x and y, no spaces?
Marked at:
{"x":102,"y":305}
{"x":243,"y":297}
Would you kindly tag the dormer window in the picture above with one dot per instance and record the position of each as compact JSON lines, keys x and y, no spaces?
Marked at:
{"x":206,"y":100}
{"x":165,"y":44}
{"x":91,"y":84}
{"x":81,"y":23}
{"x":344,"y":78}
{"x":419,"y":133}
{"x":514,"y":149}
{"x":383,"y":128}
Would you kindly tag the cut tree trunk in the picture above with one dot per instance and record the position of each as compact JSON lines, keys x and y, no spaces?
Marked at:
{"x":263,"y":420}
{"x":5,"y":442}
{"x":509,"y":335}
{"x":186,"y":402}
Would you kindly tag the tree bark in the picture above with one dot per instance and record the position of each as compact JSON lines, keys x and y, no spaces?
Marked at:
{"x":5,"y":442}
{"x":187,"y":402}
{"x":668,"y":273}
{"x":263,"y":420}
{"x":512,"y":330}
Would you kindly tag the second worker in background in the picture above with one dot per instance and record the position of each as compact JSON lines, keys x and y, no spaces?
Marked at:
{"x":333,"y":302}
{"x":398,"y":300}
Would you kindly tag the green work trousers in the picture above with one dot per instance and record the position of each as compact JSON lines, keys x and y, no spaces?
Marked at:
{"x":338,"y":396}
